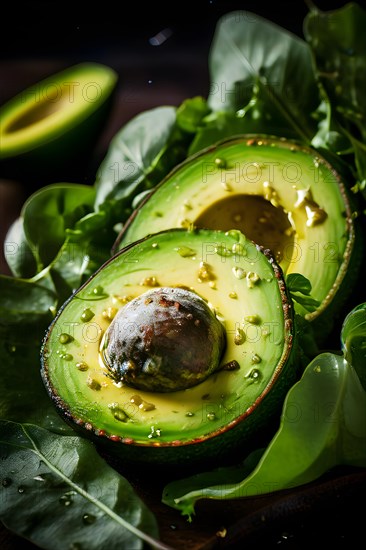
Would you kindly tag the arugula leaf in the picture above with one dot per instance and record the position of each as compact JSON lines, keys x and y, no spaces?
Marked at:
{"x":322,"y":426}
{"x":59,"y":493}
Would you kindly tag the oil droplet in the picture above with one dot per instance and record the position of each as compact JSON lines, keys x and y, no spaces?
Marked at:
{"x":239,"y":273}
{"x":11,"y":348}
{"x":252,"y":279}
{"x":185,"y":251}
{"x":21,"y":489}
{"x":87,"y":315}
{"x":65,"y":338}
{"x":211,"y":416}
{"x":82,"y":366}
{"x":88,"y":519}
{"x":6,"y":482}
{"x":189,"y":414}
{"x":220,"y":163}
{"x":256,"y":359}
{"x":65,"y":500}
{"x":39,"y":478}
{"x":222,"y":250}
{"x":254,"y":375}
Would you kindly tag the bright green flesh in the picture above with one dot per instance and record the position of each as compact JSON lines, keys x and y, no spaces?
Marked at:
{"x":173,"y":258}
{"x":48,"y":109}
{"x":256,"y":185}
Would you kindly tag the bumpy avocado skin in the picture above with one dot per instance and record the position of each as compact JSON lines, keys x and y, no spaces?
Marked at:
{"x":231,"y":409}
{"x":69,"y":147}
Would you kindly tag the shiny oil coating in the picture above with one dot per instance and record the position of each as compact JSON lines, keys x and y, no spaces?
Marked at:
{"x":239,"y":283}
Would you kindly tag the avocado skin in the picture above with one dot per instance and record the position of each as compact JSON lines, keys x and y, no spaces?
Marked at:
{"x":248,"y":431}
{"x":68,"y":150}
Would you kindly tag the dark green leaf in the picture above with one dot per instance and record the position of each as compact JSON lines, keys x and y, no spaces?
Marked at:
{"x":133,"y":153}
{"x":323,"y":424}
{"x":23,"y":397}
{"x":25,"y":302}
{"x":240,"y":58}
{"x":298,"y":283}
{"x":49,"y":212}
{"x":338,"y":41}
{"x":191,"y":112}
{"x":59,"y":493}
{"x":353,"y":338}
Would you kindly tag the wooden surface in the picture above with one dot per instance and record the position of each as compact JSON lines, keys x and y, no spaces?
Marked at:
{"x":325,"y":512}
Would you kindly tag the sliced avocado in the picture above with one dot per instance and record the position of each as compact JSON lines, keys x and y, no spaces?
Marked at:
{"x":181,"y":347}
{"x":281,"y":194}
{"x":55,"y":121}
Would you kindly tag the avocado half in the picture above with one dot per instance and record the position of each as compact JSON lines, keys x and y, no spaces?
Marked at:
{"x":55,"y":121}
{"x":180,"y":348}
{"x":281,"y":194}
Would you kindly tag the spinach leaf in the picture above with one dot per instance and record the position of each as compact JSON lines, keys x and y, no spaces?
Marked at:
{"x":51,"y":210}
{"x":300,"y":289}
{"x":139,"y":155}
{"x":59,"y":493}
{"x":247,"y":52}
{"x":353,"y":340}
{"x":323,"y":425}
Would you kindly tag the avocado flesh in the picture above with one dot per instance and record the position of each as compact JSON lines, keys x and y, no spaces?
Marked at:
{"x":279,"y":193}
{"x":245,"y":289}
{"x":58,"y":116}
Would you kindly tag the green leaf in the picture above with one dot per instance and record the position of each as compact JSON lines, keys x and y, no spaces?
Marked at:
{"x":49,"y":212}
{"x":323,"y":424}
{"x":133,"y":154}
{"x":298,"y":283}
{"x":191,"y":112}
{"x":353,"y":339}
{"x":338,"y":41}
{"x":25,"y":302}
{"x":240,"y":59}
{"x":23,"y":397}
{"x":300,"y":288}
{"x":59,"y":493}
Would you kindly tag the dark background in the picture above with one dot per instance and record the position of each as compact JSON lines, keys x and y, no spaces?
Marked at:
{"x":37,"y":39}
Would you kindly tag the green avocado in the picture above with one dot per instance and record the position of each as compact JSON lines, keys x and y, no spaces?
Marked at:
{"x":55,"y":121}
{"x":180,"y":348}
{"x":281,"y":194}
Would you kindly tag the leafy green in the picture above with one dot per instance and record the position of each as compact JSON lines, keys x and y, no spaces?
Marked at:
{"x":323,"y":425}
{"x":263,"y":79}
{"x":338,"y":46}
{"x":52,"y":496}
{"x":241,"y":61}
{"x":138,"y":156}
{"x":354,"y":342}
{"x":300,"y":289}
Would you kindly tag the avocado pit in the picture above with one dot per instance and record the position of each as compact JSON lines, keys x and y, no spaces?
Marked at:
{"x":167,"y":339}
